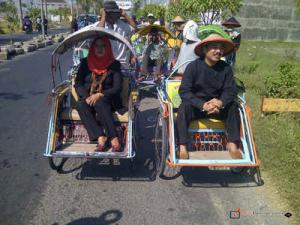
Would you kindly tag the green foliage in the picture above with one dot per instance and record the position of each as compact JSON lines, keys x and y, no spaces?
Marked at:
{"x":285,"y":83}
{"x":33,"y":13}
{"x":9,"y":11}
{"x":298,"y":5}
{"x":247,"y":69}
{"x":198,"y":10}
{"x":88,"y":5}
{"x":63,"y":13}
{"x":157,"y":10}
{"x":177,"y":9}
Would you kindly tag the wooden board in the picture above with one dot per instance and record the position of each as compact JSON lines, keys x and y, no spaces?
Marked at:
{"x":280,"y":105}
{"x":78,"y":147}
{"x":206,"y":155}
{"x":83,"y":149}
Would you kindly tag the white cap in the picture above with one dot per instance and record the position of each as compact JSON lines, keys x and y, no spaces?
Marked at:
{"x":150,"y":15}
{"x":190,"y":31}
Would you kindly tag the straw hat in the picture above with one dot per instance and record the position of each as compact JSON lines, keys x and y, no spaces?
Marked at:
{"x":150,"y":15}
{"x":215,"y":38}
{"x":177,"y":19}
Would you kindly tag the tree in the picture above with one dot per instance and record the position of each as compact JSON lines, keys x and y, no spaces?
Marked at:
{"x":207,"y":11}
{"x":33,"y":13}
{"x":298,"y":5}
{"x":63,"y":13}
{"x":157,"y":10}
{"x":9,"y":11}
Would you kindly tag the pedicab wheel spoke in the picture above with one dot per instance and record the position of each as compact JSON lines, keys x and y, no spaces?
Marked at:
{"x":57,"y":163}
{"x":160,"y":144}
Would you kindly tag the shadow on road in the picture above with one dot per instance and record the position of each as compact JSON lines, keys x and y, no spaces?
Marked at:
{"x":11,"y":96}
{"x":107,"y":218}
{"x":207,"y":178}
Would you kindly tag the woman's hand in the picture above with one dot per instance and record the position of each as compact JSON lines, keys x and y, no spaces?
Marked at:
{"x":91,"y":101}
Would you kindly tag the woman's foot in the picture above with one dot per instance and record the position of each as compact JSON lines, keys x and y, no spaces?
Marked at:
{"x":115,"y":145}
{"x":183,"y":152}
{"x":101,"y":143}
{"x":234,"y":151}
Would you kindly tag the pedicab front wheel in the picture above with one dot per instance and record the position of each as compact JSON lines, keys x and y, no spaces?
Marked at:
{"x":162,"y":150}
{"x":161,"y":145}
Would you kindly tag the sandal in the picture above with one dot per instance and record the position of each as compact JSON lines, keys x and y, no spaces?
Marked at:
{"x":101,"y":146}
{"x":116,"y":147}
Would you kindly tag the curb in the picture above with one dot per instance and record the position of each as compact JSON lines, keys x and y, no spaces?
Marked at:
{"x":18,"y":48}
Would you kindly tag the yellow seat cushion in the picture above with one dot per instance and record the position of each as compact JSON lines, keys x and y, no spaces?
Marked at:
{"x":72,"y":114}
{"x":207,"y":124}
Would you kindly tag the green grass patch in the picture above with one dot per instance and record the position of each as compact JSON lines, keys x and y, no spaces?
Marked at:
{"x":277,"y":135}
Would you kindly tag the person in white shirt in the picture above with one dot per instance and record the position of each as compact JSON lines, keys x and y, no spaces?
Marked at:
{"x":110,"y":19}
{"x":187,"y":54}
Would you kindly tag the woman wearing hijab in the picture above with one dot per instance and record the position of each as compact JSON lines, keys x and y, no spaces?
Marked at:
{"x":98,"y":85}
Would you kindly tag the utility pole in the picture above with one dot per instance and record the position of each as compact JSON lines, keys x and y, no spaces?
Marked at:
{"x":46,"y":10}
{"x":72,"y":9}
{"x":76,"y":8}
{"x":21,"y":13}
{"x":42,"y":17}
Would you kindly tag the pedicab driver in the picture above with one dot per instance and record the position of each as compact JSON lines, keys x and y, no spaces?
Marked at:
{"x":208,"y":89}
{"x":98,"y":85}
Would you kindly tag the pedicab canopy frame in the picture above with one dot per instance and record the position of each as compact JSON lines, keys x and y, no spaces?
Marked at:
{"x":79,"y":36}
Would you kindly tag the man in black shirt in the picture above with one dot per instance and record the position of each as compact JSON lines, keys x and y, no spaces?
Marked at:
{"x":208,"y":89}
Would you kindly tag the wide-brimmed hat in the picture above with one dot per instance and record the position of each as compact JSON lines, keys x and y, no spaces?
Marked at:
{"x":231,"y":22}
{"x":190,"y":31}
{"x":178,"y":19}
{"x":215,"y":38}
{"x":111,"y":6}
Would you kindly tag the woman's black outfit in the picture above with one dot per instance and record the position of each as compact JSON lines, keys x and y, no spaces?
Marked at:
{"x":101,"y":113}
{"x":200,"y":84}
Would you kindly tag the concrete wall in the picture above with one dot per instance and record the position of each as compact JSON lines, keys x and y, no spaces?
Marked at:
{"x":270,"y":20}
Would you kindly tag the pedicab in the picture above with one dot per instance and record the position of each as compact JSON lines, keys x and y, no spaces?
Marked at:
{"x":139,"y":47}
{"x":67,"y":137}
{"x":207,"y":145}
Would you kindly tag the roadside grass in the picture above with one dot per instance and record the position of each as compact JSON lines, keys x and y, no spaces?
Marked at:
{"x":277,"y":135}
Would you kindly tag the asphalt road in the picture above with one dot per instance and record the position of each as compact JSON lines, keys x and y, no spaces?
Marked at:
{"x":16,"y":37}
{"x":105,"y":192}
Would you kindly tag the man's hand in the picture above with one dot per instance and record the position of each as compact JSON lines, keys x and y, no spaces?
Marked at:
{"x":211,"y":108}
{"x":216,"y":102}
{"x":133,"y":60}
{"x":91,"y":101}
